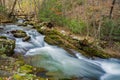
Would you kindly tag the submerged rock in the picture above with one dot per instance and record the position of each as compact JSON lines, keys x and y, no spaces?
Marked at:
{"x":6,"y":46}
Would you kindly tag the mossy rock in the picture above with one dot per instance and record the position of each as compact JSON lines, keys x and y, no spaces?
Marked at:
{"x":7,"y":46}
{"x":94,"y":52}
{"x":3,"y":37}
{"x":27,"y":38}
{"x":53,"y":37}
{"x":56,"y":38}
{"x":22,"y":24}
{"x":17,"y":69}
{"x":19,"y":33}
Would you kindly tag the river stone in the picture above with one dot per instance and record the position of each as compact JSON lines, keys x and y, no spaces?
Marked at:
{"x":26,"y":38}
{"x":7,"y":46}
{"x":19,"y":33}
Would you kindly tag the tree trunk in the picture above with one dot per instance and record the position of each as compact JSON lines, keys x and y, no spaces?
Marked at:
{"x":113,"y":3}
{"x":35,"y":9}
{"x":3,"y":3}
{"x":13,"y":8}
{"x":0,"y":2}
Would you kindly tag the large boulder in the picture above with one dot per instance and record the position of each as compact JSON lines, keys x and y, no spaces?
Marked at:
{"x":6,"y":46}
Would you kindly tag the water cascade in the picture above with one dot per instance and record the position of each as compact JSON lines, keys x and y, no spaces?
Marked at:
{"x":54,"y":59}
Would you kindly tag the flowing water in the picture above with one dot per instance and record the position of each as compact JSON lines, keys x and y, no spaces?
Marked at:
{"x":54,"y":59}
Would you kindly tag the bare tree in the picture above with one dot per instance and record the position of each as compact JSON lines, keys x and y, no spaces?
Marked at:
{"x":113,"y":3}
{"x":13,"y":7}
{"x":0,"y":2}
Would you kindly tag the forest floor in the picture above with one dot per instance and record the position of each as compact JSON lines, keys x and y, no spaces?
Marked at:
{"x":113,"y":49}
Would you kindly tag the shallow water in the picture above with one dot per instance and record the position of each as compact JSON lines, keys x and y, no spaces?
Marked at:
{"x":54,"y":59}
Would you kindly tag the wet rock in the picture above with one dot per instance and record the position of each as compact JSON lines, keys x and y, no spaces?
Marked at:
{"x":84,"y":42}
{"x":26,"y":38}
{"x":49,"y":25}
{"x":6,"y":46}
{"x":3,"y":37}
{"x":22,"y":24}
{"x":1,"y":28}
{"x":19,"y":33}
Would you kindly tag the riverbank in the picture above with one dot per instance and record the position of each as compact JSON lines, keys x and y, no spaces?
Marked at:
{"x":4,"y":18}
{"x":13,"y":67}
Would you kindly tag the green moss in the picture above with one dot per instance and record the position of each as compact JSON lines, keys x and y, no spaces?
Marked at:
{"x":23,"y":77}
{"x":55,"y":38}
{"x":19,"y":63}
{"x":26,"y":68}
{"x":7,"y":46}
{"x":95,"y":52}
{"x":19,"y":33}
{"x":22,"y":24}
{"x":17,"y":77}
{"x":3,"y":37}
{"x":0,"y":78}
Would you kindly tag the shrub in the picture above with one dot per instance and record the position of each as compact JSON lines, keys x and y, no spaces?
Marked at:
{"x":50,"y":11}
{"x":76,"y":26}
{"x":2,"y":9}
{"x":110,"y":28}
{"x":80,"y":2}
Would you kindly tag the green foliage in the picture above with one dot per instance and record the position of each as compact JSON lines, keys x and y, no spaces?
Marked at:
{"x":108,"y":25}
{"x":2,"y":9}
{"x":80,"y":2}
{"x":111,"y":27}
{"x":2,"y":50}
{"x":51,"y":11}
{"x":76,"y":26}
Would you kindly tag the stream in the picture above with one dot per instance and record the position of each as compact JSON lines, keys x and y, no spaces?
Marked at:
{"x":55,"y":59}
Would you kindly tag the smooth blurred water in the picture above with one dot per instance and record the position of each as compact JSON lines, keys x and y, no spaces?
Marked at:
{"x":54,"y":59}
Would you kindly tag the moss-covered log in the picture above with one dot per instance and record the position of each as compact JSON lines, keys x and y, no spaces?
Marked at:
{"x":54,"y":37}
